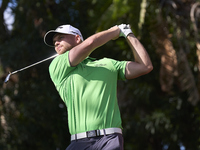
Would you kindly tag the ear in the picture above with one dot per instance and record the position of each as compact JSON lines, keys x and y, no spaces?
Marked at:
{"x":78,"y":39}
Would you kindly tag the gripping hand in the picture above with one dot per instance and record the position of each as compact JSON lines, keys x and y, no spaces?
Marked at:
{"x":125,"y":30}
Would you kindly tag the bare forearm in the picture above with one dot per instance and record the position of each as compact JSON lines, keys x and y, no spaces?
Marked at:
{"x":140,"y":54}
{"x":142,"y":64}
{"x":101,"y":38}
{"x":80,"y":52}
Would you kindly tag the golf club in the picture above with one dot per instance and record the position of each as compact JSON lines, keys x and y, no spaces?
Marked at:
{"x":11,"y":73}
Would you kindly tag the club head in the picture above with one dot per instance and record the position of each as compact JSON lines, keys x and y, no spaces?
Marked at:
{"x":7,"y":78}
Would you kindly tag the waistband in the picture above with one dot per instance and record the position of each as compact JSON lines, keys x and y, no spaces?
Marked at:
{"x":95,"y":133}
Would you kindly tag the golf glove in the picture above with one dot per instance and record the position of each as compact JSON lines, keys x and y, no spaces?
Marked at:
{"x":125,"y":30}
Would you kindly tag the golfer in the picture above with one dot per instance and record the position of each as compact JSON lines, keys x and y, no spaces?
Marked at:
{"x":88,"y":86}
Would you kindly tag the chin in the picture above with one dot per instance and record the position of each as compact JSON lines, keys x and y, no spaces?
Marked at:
{"x":61,"y":52}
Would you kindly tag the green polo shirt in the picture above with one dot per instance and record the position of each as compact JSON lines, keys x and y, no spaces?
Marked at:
{"x":89,"y":91}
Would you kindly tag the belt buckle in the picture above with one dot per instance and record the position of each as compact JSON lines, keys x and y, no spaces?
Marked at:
{"x":93,"y":133}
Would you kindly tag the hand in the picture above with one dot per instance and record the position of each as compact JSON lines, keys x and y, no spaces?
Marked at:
{"x":125,"y":30}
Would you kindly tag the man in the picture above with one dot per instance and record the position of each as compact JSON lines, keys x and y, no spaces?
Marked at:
{"x":88,"y":86}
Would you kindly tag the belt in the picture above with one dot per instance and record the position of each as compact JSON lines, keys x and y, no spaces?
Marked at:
{"x":95,"y":133}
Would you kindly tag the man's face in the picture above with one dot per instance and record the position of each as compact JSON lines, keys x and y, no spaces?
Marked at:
{"x":64,"y":42}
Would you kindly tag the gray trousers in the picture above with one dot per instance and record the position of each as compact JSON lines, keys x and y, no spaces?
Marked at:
{"x":106,"y":142}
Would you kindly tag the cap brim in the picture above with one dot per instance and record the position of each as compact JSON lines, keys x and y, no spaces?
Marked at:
{"x":48,"y":38}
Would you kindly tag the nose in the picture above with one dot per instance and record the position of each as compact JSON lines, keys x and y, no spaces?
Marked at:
{"x":56,"y":43}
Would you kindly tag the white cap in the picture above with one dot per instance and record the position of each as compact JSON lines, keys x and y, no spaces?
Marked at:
{"x":65,"y":29}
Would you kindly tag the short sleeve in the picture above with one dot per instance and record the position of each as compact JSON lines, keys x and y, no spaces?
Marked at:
{"x":60,"y":68}
{"x":120,"y":67}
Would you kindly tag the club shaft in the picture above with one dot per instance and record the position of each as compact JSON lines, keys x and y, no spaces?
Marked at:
{"x":34,"y":64}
